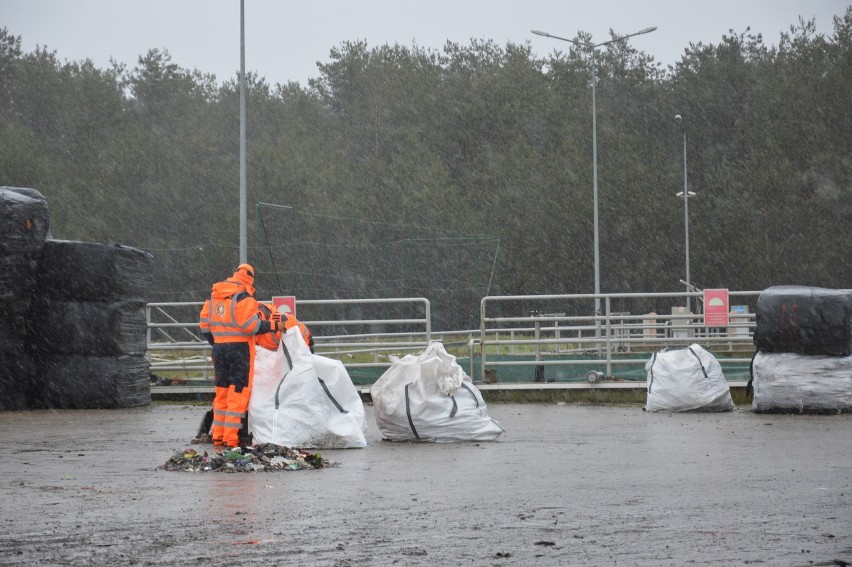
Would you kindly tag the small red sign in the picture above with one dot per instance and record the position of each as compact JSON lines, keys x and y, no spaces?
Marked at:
{"x":716,"y":307}
{"x":285,"y":303}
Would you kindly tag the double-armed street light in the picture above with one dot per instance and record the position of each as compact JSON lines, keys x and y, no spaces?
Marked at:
{"x":593,"y":47}
{"x":686,"y":194}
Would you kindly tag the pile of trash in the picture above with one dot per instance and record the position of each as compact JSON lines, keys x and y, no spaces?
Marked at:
{"x":258,"y":458}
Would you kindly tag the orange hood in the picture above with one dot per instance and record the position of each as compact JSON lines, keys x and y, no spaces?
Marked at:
{"x":230,"y":287}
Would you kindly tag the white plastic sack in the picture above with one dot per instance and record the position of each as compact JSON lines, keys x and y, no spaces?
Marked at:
{"x":430,"y":398}
{"x":686,"y":379}
{"x":308,"y":401}
{"x":801,"y":383}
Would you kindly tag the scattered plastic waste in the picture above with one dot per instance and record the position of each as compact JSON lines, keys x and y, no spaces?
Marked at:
{"x":258,"y":458}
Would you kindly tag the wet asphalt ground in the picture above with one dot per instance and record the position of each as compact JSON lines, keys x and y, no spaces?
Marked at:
{"x":565,"y":485}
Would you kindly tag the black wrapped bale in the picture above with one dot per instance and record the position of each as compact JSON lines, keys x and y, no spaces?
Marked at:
{"x":13,"y":329}
{"x":17,"y":280}
{"x":17,"y":372}
{"x":24,"y":220}
{"x":93,"y":382}
{"x":94,"y":272}
{"x":88,"y":327}
{"x":804,"y":320}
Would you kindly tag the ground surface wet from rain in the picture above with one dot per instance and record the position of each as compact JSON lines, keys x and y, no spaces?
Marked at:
{"x":565,"y":485}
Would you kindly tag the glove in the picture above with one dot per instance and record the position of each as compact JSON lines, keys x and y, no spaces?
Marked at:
{"x":277,"y":324}
{"x":277,"y":321}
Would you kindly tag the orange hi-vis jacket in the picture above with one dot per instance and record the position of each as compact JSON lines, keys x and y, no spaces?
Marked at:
{"x":230,"y":315}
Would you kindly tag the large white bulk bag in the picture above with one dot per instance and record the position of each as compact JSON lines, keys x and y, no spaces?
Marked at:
{"x":686,"y":379}
{"x":304,"y":400}
{"x":430,"y":398}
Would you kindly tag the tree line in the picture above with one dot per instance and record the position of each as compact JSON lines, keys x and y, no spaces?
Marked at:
{"x":456,"y":173}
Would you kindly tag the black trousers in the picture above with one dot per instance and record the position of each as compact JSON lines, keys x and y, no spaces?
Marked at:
{"x":231,"y":365}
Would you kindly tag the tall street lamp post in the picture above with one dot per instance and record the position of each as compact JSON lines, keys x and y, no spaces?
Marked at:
{"x":686,"y":194}
{"x":593,"y":47}
{"x":243,"y":153}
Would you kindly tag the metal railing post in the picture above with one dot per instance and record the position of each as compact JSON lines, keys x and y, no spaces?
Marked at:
{"x":608,"y":337}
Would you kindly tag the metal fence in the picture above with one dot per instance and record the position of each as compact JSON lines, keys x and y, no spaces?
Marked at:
{"x":533,"y":338}
{"x":176,"y":345}
{"x":562,"y":336}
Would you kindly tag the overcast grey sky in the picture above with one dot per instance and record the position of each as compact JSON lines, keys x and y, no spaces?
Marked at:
{"x":285,"y":39}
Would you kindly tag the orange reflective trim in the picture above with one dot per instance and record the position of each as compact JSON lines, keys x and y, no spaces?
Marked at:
{"x":233,"y":321}
{"x":204,"y":317}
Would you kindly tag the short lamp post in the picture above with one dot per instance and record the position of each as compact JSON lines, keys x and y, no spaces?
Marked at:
{"x":686,"y":194}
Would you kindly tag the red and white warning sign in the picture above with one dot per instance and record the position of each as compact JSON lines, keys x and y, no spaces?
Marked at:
{"x":285,"y":303}
{"x":716,"y":307}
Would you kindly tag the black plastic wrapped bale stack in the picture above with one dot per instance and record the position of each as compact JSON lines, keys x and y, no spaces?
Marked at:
{"x":803,"y":362}
{"x":24,"y":227}
{"x":23,"y":230}
{"x":94,"y":297}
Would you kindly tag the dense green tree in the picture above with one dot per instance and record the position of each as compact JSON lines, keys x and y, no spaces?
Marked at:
{"x":453,"y":174}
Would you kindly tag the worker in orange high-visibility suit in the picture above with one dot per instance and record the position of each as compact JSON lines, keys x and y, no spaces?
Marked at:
{"x":270,"y":341}
{"x":230,"y":321}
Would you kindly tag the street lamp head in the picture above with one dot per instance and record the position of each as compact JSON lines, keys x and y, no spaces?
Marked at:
{"x":646,"y":30}
{"x":545,"y":34}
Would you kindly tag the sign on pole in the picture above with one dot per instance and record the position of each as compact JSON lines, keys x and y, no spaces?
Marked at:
{"x":716,"y":308}
{"x":285,"y":303}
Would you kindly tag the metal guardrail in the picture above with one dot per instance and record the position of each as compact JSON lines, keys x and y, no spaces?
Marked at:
{"x":507,"y":327}
{"x":606,"y":339}
{"x":173,"y":326}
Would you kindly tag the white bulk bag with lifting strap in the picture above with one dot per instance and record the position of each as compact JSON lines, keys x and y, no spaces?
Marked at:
{"x":686,"y":379}
{"x":304,"y":400}
{"x":430,"y":398}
